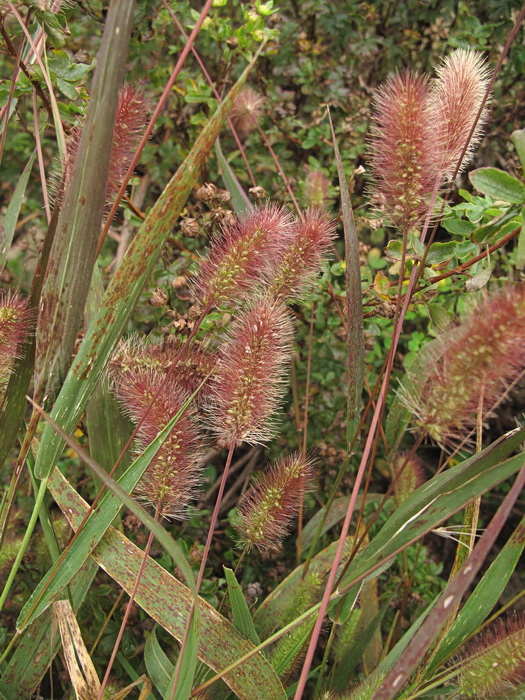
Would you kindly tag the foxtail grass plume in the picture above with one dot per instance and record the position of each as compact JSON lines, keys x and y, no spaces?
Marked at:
{"x":408,"y":475}
{"x":247,"y":111}
{"x":456,"y":96}
{"x":475,"y":361}
{"x":15,"y":325}
{"x":170,"y":480}
{"x":494,"y":662}
{"x":267,"y":509}
{"x":403,"y":150}
{"x":130,"y":122}
{"x":192,"y":368}
{"x":316,"y":189}
{"x":239,"y":256}
{"x":300,"y":261}
{"x":250,"y":373}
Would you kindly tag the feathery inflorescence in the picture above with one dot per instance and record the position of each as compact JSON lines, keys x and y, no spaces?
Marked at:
{"x":239,"y":256}
{"x":249,"y":378}
{"x":174,"y":473}
{"x":408,"y":475}
{"x":15,"y":324}
{"x":422,"y":131}
{"x":309,"y":242}
{"x":455,"y":100}
{"x":267,"y":509}
{"x":194,"y":365}
{"x":494,"y":662}
{"x":476,"y":362}
{"x":130,"y":122}
{"x":403,"y":150}
{"x":246,"y":111}
{"x":316,"y":189}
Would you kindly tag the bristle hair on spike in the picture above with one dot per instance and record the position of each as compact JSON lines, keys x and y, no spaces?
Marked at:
{"x":240,"y":254}
{"x":249,"y":382}
{"x":267,"y":509}
{"x":171,"y":478}
{"x":477,"y":360}
{"x":15,"y":325}
{"x":308,"y":244}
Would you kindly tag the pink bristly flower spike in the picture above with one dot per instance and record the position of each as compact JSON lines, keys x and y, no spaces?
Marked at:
{"x":192,"y":368}
{"x":402,"y":150}
{"x":15,"y":325}
{"x":239,"y":256}
{"x":130,"y":121}
{"x":309,"y":243}
{"x":493,"y":664}
{"x":267,"y":509}
{"x":455,"y":97}
{"x":250,"y":373}
{"x":476,"y":361}
{"x":246,"y":111}
{"x":170,"y":480}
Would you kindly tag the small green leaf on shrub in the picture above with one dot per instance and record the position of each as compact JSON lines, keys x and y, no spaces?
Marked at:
{"x":439,"y":316}
{"x":458,"y":226}
{"x":441,"y":252}
{"x":498,"y":184}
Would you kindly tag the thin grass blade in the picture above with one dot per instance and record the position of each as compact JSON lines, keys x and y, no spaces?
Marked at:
{"x":74,"y":249}
{"x":169,"y":602}
{"x":240,"y":200}
{"x":242,"y":618}
{"x":159,"y":667}
{"x":8,"y":225}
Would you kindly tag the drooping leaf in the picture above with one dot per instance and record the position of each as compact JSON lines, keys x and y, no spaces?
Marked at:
{"x":168,"y":601}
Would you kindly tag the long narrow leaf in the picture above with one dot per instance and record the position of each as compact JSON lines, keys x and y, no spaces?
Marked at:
{"x":240,"y":199}
{"x":168,"y":601}
{"x":75,"y":246}
{"x":436,"y":501}
{"x":8,"y":225}
{"x":159,"y":667}
{"x":242,"y":618}
{"x":354,"y":305}
{"x":485,"y":595}
{"x":92,"y":532}
{"x":125,"y":287}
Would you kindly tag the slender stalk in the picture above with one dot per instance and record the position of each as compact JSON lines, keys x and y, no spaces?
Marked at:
{"x":128,"y":609}
{"x":207,"y":546}
{"x":362,"y":467}
{"x":299,"y":544}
